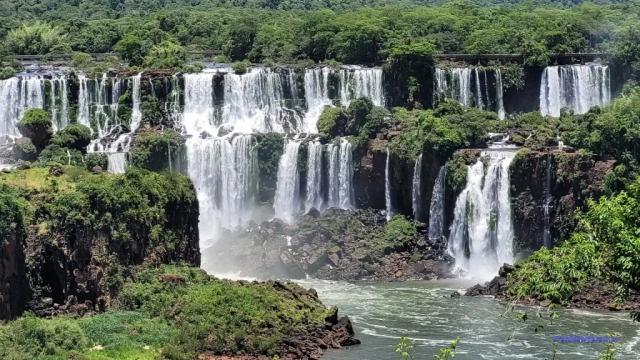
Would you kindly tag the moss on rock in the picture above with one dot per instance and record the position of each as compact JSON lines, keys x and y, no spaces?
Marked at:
{"x":156,"y":149}
{"x":36,"y":125}
{"x":74,"y":136}
{"x":25,"y":150}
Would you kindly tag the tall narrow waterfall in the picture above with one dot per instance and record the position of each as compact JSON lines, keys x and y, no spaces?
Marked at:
{"x":59,"y":108}
{"x":577,"y":87}
{"x":314,"y":176}
{"x":455,"y":83}
{"x":293,"y":88}
{"x":387,"y":188}
{"x":416,"y":198}
{"x":479,"y":103}
{"x":198,"y":113}
{"x":136,"y":111}
{"x":340,"y":190}
{"x":436,"y":209}
{"x":316,"y":93}
{"x":286,"y":203}
{"x":254,"y":102}
{"x":546,"y":237}
{"x":482,"y":231}
{"x":84,"y":99}
{"x":357,"y":82}
{"x":499,"y":94}
{"x":117,"y":162}
{"x":17,"y":95}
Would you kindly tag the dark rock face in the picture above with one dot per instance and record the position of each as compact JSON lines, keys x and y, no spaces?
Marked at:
{"x":495,"y":287}
{"x":13,"y":277}
{"x":574,"y":178}
{"x":337,"y":245}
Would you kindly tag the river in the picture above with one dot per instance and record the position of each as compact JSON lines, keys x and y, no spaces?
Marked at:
{"x":424,"y":311}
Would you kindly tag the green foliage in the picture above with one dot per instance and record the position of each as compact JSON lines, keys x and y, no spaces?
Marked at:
{"x":74,"y":136}
{"x":166,"y":55}
{"x":132,"y":49}
{"x":270,"y":148}
{"x":10,"y":216}
{"x":54,"y":154}
{"x":240,"y":68}
{"x":6,"y":73}
{"x":154,"y":150}
{"x":81,"y":61}
{"x":37,"y":38}
{"x":96,"y":159}
{"x":36,"y":125}
{"x":456,"y":173}
{"x":400,"y":230}
{"x":605,"y":246}
{"x":332,"y":121}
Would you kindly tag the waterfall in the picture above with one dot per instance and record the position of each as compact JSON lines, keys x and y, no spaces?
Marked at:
{"x":314,"y":176}
{"x":436,"y":209}
{"x":316,"y":94}
{"x":286,"y":201}
{"x":117,"y":162}
{"x":254,"y":102}
{"x":486,"y":90}
{"x":547,"y":204}
{"x":107,"y":97}
{"x":172,"y":106}
{"x":577,"y":87}
{"x":224,"y":173}
{"x":59,"y":111}
{"x":340,"y":191}
{"x":198,"y":113}
{"x":459,"y":86}
{"x":84,"y":99}
{"x":293,"y":88}
{"x":479,"y":103}
{"x":387,"y":188}
{"x":136,"y":111}
{"x":482,"y":231}
{"x":415,"y":189}
{"x":357,"y":82}
{"x":441,"y":85}
{"x":17,"y":95}
{"x":499,"y":94}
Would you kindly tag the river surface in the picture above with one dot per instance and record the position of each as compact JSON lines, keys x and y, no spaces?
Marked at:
{"x":424,"y":311}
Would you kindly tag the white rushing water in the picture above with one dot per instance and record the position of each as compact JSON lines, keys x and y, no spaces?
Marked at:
{"x":136,"y":110}
{"x":482,"y":231}
{"x":436,"y":208}
{"x":577,"y":87}
{"x":84,"y":98}
{"x":479,"y":103}
{"x":357,"y":82}
{"x":117,"y":162}
{"x":314,"y":176}
{"x":499,"y":95}
{"x":387,"y":188}
{"x":286,"y":202}
{"x":59,"y":108}
{"x":416,"y":198}
{"x":316,"y":94}
{"x":340,"y":189}
{"x":17,"y":95}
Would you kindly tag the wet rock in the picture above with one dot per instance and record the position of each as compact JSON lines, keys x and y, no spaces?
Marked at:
{"x":225,"y":130}
{"x":96,"y":170}
{"x":56,"y":170}
{"x":455,"y":294}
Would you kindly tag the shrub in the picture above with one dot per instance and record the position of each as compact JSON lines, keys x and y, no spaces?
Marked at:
{"x":36,"y":125}
{"x":74,"y":136}
{"x":94,"y":159}
{"x":152,"y":151}
{"x":60,"y":155}
{"x":24,"y":150}
{"x":332,"y":121}
{"x":240,"y":68}
{"x":166,"y":55}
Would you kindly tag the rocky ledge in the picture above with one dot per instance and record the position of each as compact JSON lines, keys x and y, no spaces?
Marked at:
{"x":348,"y":245}
{"x":594,"y":295}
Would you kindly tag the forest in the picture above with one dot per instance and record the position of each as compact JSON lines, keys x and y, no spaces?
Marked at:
{"x":274,"y":32}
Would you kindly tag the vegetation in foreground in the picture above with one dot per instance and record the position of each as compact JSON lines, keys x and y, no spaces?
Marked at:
{"x":171,"y":312}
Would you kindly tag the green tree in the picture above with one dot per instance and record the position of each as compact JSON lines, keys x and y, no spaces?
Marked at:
{"x":132,"y":49}
{"x":167,"y":55}
{"x":36,"y":39}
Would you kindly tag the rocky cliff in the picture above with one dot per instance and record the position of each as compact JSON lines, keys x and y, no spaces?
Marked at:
{"x":84,"y":231}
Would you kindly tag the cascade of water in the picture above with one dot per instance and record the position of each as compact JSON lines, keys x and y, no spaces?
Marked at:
{"x":340,"y":191}
{"x":293,"y":87}
{"x":441,"y":88}
{"x":254,"y":102}
{"x":106,"y":108}
{"x":198,"y":113}
{"x":286,"y":202}
{"x":84,"y":99}
{"x":461,"y":89}
{"x":499,"y":94}
{"x":59,"y":110}
{"x":415,"y":189}
{"x":314,"y":176}
{"x":482,"y":231}
{"x":577,"y":87}
{"x":345,"y":175}
{"x":316,"y":94}
{"x":357,"y":82}
{"x":479,"y":103}
{"x":387,"y":188}
{"x":172,"y":106}
{"x":486,"y":91}
{"x":436,"y":209}
{"x":17,"y":95}
{"x":117,"y":162}
{"x":547,"y":204}
{"x":136,"y":111}
{"x":224,"y":174}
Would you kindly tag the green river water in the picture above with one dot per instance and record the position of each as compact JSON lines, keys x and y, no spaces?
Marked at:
{"x":424,"y":311}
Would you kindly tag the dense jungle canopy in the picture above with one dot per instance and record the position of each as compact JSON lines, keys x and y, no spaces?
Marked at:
{"x":293,"y":31}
